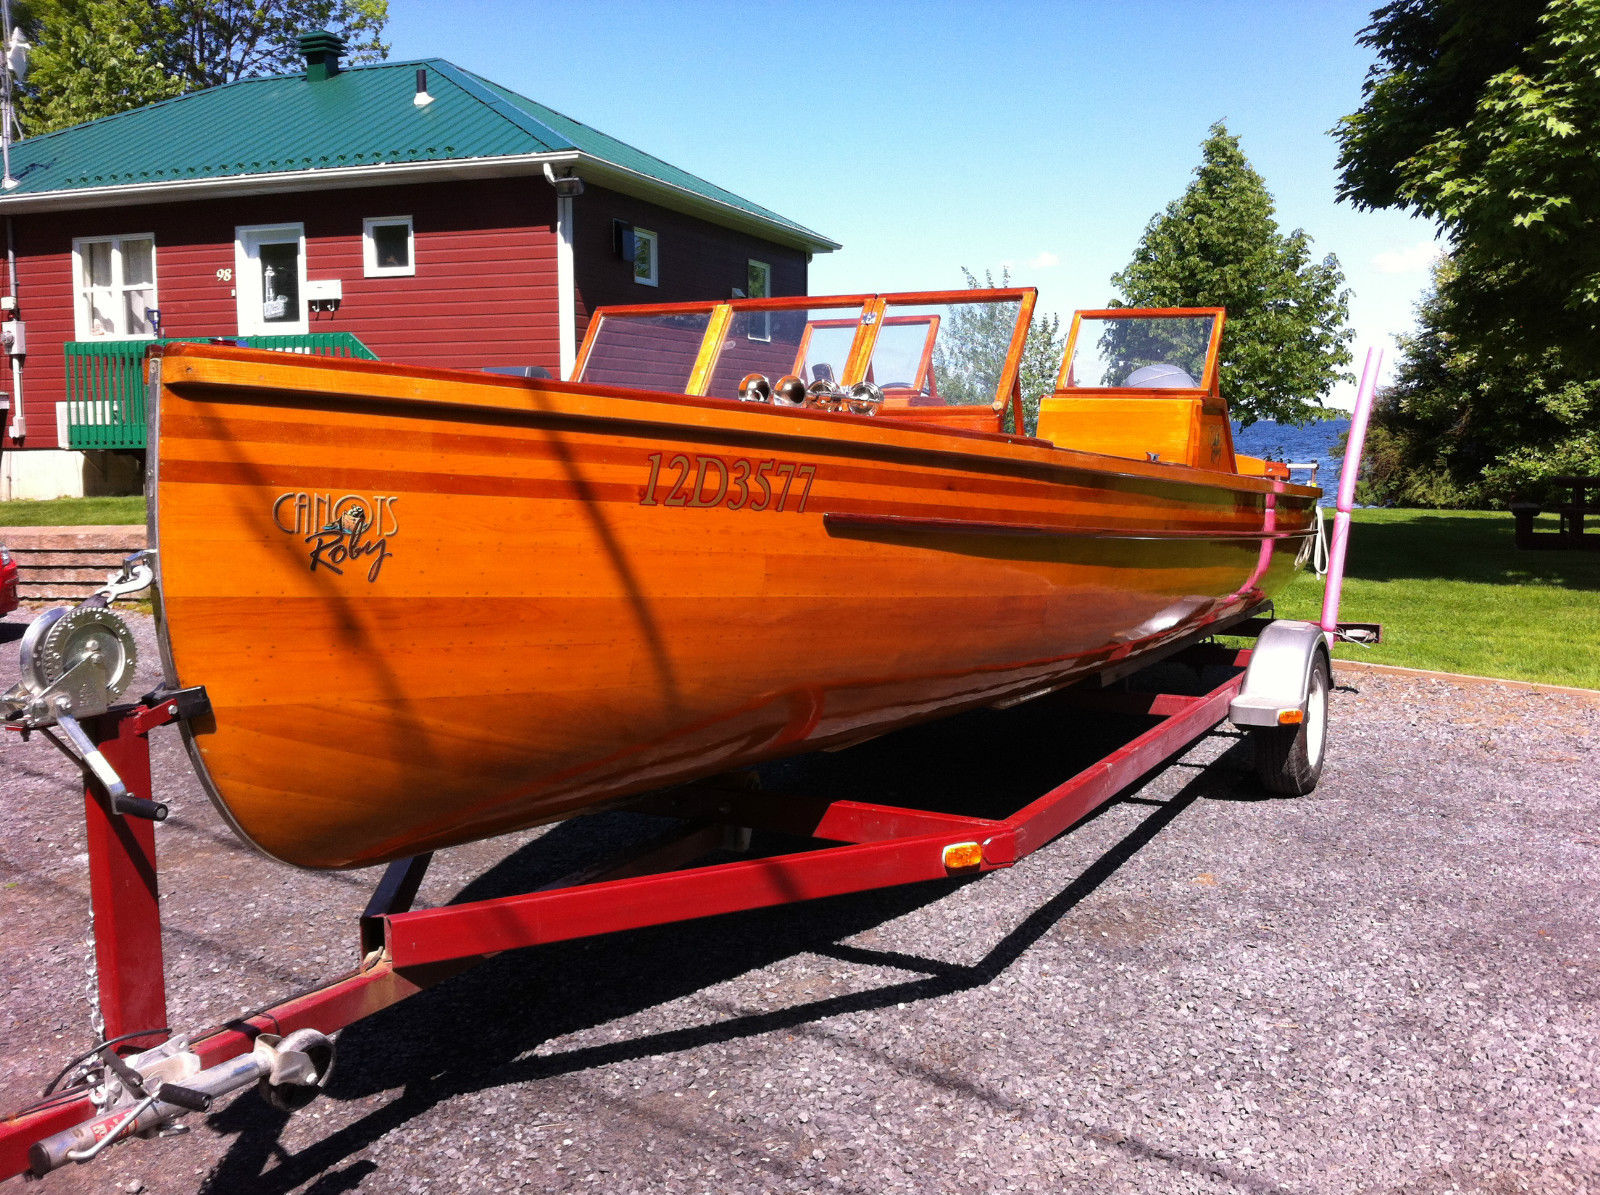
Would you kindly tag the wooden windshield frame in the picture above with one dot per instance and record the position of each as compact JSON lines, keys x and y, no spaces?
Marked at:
{"x":1209,"y":386}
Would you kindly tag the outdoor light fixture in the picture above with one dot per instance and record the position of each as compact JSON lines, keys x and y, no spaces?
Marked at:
{"x":568,"y":186}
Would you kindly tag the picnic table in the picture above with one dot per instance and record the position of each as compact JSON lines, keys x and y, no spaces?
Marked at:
{"x":1571,"y":533}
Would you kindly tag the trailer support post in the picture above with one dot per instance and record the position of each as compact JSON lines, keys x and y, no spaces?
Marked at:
{"x":123,"y":889}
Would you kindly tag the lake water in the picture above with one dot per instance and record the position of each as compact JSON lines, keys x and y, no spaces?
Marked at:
{"x":1285,"y":442}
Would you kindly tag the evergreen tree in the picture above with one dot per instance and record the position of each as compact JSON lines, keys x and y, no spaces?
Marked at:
{"x":1218,"y":245}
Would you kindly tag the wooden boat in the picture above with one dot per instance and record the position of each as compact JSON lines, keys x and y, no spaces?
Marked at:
{"x":431,"y":606}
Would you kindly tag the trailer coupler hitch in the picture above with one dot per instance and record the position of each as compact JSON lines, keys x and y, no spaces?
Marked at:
{"x":144,"y":1095}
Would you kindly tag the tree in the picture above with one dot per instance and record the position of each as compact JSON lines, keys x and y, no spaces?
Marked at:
{"x":1483,"y":117}
{"x":1218,"y":245}
{"x":95,"y":58}
{"x":972,"y":348}
{"x":1462,"y":428}
{"x":207,"y":42}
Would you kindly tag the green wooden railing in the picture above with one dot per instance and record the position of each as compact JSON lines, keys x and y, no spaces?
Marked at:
{"x":106,"y":381}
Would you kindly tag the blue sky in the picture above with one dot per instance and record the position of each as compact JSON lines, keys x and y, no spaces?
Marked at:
{"x":930,"y":136}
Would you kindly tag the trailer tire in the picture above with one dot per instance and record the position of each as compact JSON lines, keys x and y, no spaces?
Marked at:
{"x":1289,"y":758}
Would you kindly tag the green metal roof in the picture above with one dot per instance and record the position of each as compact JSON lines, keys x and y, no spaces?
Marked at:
{"x":363,"y":116}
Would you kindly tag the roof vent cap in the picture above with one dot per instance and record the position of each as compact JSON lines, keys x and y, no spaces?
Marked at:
{"x":321,"y":50}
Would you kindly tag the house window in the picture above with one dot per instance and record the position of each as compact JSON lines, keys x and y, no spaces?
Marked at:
{"x":270,"y":279}
{"x":116,"y":286}
{"x":387,"y":246}
{"x":758,"y":280}
{"x":758,"y":285}
{"x":644,"y":256}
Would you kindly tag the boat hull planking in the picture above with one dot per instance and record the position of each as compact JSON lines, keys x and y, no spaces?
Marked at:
{"x":430,"y":607}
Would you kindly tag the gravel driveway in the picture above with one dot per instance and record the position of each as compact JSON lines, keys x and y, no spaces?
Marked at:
{"x":1388,"y":986}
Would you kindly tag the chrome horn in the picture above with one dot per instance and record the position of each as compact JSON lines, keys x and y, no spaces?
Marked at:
{"x":789,"y":392}
{"x":865,"y":399}
{"x":755,"y":387}
{"x":824,"y":395}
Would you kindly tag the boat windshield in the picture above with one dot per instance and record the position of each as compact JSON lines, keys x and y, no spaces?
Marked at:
{"x":648,"y":352}
{"x":1140,"y":351}
{"x":923,"y":349}
{"x":946,"y":353}
{"x":813,"y":343}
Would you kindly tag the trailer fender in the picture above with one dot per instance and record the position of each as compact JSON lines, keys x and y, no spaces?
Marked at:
{"x":1278,"y":678}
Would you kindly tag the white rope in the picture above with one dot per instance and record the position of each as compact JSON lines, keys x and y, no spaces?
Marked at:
{"x":1319,"y":555}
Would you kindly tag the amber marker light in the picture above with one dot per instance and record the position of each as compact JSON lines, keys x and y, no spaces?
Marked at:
{"x":962,"y":856}
{"x":1291,"y":717}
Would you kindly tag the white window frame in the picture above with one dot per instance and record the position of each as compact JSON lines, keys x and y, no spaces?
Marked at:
{"x":80,"y":301}
{"x":247,"y":296}
{"x":369,"y":248}
{"x":646,"y":237}
{"x":759,"y":329}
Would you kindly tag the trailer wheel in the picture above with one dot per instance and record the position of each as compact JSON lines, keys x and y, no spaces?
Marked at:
{"x":1289,"y":758}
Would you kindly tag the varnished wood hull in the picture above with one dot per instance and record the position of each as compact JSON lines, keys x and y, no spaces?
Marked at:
{"x":541,"y":617}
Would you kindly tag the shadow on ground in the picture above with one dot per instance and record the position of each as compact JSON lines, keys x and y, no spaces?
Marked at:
{"x":480,"y":1030}
{"x":1443,"y":547}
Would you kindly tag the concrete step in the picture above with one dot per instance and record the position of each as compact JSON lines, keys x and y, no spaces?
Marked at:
{"x":68,"y":563}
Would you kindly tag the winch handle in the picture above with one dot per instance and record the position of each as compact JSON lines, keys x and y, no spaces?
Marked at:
{"x":122,"y":801}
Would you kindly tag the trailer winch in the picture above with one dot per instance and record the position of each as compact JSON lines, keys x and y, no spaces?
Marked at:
{"x":75,"y":663}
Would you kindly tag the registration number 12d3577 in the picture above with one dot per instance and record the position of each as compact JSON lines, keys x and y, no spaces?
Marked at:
{"x":685,"y":479}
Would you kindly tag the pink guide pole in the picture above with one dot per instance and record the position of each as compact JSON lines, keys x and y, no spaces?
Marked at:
{"x":1347,"y":492}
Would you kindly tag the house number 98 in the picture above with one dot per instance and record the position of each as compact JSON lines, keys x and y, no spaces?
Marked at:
{"x":224,"y":275}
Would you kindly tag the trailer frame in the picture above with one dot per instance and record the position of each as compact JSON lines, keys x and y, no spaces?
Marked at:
{"x":861,"y":846}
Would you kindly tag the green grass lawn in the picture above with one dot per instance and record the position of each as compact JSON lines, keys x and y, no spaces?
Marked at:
{"x":72,"y":512}
{"x":1454,"y":594}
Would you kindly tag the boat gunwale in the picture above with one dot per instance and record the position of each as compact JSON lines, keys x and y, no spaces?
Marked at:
{"x":1037,"y":455}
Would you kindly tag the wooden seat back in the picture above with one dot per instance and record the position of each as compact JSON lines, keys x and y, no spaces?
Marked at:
{"x":1184,"y":429}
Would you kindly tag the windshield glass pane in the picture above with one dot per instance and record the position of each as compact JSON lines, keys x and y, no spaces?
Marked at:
{"x":809,"y":342}
{"x":1163,"y":351}
{"x":943,"y":354}
{"x":650,"y":352}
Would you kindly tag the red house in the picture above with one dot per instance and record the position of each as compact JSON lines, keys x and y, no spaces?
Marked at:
{"x":411,"y":211}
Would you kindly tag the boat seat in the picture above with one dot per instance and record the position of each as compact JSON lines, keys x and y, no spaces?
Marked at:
{"x":1183,"y":429}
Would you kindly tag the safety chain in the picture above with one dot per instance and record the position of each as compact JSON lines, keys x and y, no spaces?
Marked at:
{"x":97,"y":1020}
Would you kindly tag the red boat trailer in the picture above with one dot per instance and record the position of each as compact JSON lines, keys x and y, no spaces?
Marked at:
{"x":864,"y":846}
